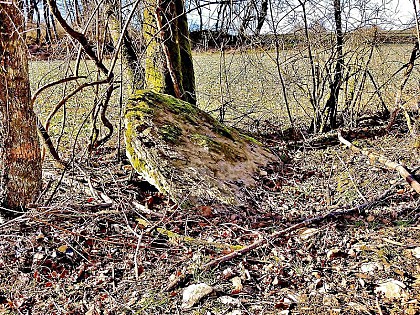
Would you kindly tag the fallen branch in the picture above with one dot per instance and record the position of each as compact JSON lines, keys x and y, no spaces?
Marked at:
{"x":385,"y":161}
{"x":330,"y":138}
{"x":177,"y":238}
{"x":307,"y":222}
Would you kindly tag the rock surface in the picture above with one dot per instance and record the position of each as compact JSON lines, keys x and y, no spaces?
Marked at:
{"x":187,"y":154}
{"x":194,"y":293}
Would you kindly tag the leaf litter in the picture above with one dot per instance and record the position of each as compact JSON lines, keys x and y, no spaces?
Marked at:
{"x":140,"y":254}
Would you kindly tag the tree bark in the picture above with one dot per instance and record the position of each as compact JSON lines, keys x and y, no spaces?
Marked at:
{"x":132,"y":65}
{"x":48,"y":36}
{"x":262,"y":15}
{"x":169,"y":67}
{"x":332,"y":102}
{"x":38,"y":21}
{"x":20,"y":161}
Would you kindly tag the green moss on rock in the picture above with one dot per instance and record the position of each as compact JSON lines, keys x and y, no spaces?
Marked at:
{"x":186,"y":153}
{"x":170,"y":133}
{"x":212,"y":145}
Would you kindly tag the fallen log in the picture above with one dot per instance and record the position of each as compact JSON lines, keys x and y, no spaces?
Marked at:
{"x":411,"y":180}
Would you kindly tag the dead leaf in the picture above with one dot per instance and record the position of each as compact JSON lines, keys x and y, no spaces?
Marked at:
{"x":335,"y":253}
{"x":417,"y":280}
{"x":307,"y":233}
{"x":228,"y":300}
{"x":206,"y":211}
{"x":38,"y":256}
{"x":142,"y":223}
{"x":227,"y":273}
{"x":62,"y":248}
{"x":237,"y":285}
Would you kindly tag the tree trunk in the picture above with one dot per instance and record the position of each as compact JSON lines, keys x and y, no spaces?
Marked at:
{"x":48,"y":36}
{"x":132,"y":65}
{"x":262,"y":15}
{"x":20,"y":162}
{"x":332,"y":102}
{"x":169,"y":67}
{"x":30,"y":8}
{"x":247,"y":17}
{"x":38,"y":21}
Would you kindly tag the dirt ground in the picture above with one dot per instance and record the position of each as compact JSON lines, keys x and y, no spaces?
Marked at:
{"x":78,"y":252}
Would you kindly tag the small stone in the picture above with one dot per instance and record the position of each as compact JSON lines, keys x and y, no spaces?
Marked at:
{"x":194,"y":293}
{"x":237,"y":284}
{"x":370,"y":218}
{"x":371,"y":267}
{"x":391,"y":289}
{"x":416,"y":252}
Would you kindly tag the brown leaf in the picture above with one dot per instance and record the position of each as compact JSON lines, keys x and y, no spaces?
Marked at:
{"x":370,"y":218}
{"x":206,"y":211}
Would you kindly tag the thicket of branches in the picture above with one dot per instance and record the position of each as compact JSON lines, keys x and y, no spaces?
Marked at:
{"x":323,"y":60}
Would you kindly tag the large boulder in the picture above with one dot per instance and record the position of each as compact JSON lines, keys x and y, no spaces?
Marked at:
{"x":187,"y":154}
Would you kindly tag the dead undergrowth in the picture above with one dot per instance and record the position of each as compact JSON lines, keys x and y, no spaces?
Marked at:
{"x":102,"y":241}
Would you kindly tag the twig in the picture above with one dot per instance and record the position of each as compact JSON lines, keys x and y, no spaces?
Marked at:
{"x":378,"y":307}
{"x":385,"y":161}
{"x":307,"y":222}
{"x":43,"y":88}
{"x":136,"y":254}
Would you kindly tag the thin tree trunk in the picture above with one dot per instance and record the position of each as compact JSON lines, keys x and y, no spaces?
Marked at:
{"x":314,"y":93}
{"x":54,"y":27}
{"x":30,"y":14}
{"x":48,"y":37}
{"x":262,"y":15}
{"x":247,"y":17}
{"x":77,"y":12}
{"x":20,"y":162}
{"x":200,"y":15}
{"x":132,"y":65}
{"x":332,"y":102}
{"x":38,"y":22}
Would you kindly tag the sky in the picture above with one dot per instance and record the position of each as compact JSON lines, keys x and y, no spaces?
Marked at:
{"x":400,"y":14}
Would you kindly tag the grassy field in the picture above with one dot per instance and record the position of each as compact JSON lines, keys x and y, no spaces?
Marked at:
{"x":246,"y":86}
{"x":249,"y":86}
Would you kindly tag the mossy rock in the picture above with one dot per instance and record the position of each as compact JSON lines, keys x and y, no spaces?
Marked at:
{"x":187,"y":154}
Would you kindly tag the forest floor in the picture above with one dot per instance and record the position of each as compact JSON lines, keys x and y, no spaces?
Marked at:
{"x":102,"y":241}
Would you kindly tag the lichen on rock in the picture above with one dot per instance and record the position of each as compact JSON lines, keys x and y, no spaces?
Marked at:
{"x":186,"y":153}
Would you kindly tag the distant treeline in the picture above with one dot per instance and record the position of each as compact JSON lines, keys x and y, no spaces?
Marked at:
{"x":208,"y":40}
